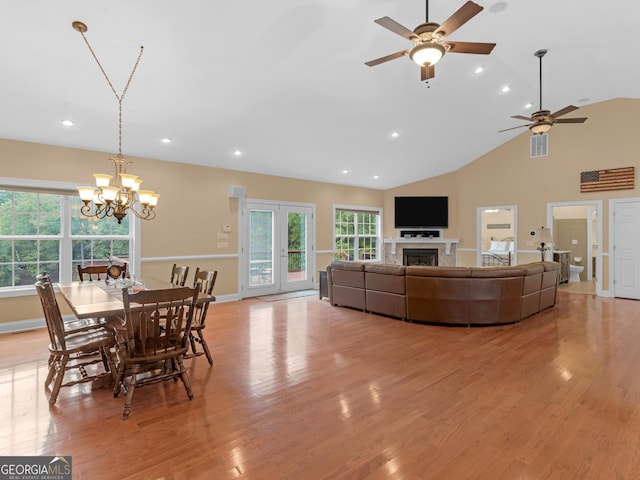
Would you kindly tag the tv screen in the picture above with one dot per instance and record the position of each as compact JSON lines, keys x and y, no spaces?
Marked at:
{"x":422,"y":212}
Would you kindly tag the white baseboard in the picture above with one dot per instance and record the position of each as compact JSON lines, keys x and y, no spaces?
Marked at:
{"x":22,"y":325}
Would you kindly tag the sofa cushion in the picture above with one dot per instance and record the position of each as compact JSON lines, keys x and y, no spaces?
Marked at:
{"x":386,"y":268}
{"x":349,"y":274}
{"x":496,"y":272}
{"x":343,"y":265}
{"x":425,"y":271}
{"x":385,"y":278}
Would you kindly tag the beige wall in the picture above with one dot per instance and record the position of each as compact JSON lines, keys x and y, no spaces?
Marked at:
{"x":508,"y":176}
{"x":193,"y":207}
{"x":504,"y":176}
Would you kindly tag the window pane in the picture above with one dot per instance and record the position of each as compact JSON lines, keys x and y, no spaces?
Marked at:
{"x":50,"y":223}
{"x":345,"y":248}
{"x":25,"y":202}
{"x":26,"y":274}
{"x":25,"y":224}
{"x":25,"y":250}
{"x":6,"y":275}
{"x":120,"y":248}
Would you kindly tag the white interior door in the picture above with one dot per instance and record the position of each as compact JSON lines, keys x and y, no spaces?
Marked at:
{"x":277,"y":248}
{"x":626,"y":242}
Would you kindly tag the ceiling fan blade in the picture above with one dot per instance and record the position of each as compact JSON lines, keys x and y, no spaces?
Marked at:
{"x":427,"y":72}
{"x":470,"y":47}
{"x":395,"y":27}
{"x":564,"y":111}
{"x":521,"y":117}
{"x":393,"y":56}
{"x":513,"y":128}
{"x":572,"y":120}
{"x":465,"y":13}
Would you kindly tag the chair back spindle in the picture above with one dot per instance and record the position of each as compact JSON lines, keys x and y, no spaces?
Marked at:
{"x":179,"y":275}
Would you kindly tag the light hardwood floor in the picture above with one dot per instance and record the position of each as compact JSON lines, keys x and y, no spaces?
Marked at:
{"x":303,"y":390}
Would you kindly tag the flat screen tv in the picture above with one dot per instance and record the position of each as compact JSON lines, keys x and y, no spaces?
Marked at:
{"x":422,"y":212}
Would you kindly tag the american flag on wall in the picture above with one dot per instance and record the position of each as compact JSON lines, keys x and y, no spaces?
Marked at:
{"x":610,"y":179}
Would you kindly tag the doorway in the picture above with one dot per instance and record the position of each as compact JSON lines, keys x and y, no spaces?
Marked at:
{"x":576,"y":228}
{"x":496,"y":236}
{"x":277,"y":248}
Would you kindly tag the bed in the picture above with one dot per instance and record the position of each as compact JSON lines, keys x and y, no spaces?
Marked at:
{"x":500,"y":253}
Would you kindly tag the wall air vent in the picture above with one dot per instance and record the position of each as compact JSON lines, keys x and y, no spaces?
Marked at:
{"x":539,"y":145}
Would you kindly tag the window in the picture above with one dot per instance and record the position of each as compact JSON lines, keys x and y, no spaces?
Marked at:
{"x":45,"y":232}
{"x":30,"y":234}
{"x":357,"y":233}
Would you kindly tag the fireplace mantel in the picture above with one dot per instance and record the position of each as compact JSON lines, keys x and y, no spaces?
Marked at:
{"x":446,"y":241}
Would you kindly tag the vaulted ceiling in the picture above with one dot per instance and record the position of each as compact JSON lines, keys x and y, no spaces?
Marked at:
{"x":284,"y":82}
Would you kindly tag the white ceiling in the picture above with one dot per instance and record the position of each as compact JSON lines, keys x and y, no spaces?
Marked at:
{"x":284,"y":81}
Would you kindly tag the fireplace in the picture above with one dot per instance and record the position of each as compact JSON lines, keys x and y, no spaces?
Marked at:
{"x":420,"y":256}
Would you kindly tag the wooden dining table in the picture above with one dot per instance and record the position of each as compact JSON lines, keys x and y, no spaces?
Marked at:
{"x":97,"y":299}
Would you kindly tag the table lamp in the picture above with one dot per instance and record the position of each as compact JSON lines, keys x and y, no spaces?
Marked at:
{"x":542,"y":236}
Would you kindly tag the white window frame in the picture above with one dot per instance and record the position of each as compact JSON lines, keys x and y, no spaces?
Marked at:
{"x":360,"y":209}
{"x":66,"y":190}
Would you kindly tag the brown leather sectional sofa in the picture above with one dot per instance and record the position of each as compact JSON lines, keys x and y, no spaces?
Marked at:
{"x":445,"y":295}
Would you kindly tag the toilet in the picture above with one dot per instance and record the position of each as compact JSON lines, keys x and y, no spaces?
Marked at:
{"x":575,"y":270}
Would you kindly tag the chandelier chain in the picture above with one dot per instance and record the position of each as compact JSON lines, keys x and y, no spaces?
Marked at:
{"x":120,"y":97}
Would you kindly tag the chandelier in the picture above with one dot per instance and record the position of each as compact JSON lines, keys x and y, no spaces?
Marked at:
{"x":114,"y":196}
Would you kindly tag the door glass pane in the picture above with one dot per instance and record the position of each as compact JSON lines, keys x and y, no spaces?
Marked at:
{"x":297,"y":241}
{"x":261,"y":247}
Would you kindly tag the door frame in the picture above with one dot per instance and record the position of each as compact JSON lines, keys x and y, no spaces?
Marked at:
{"x":243,"y":238}
{"x":599,"y":252}
{"x":514,"y":227}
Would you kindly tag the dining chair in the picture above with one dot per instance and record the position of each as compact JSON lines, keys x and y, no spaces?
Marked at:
{"x":179,"y":275}
{"x":93,"y":272}
{"x":204,"y":281}
{"x":74,"y":353}
{"x":73,"y":324}
{"x":150,"y":349}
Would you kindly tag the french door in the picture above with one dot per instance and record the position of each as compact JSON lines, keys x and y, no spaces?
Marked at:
{"x":277,"y":248}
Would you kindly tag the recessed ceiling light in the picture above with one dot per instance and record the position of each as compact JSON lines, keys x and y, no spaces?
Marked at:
{"x":166,"y":140}
{"x":345,"y":171}
{"x":376,"y":177}
{"x":478,"y":70}
{"x":237,"y":153}
{"x":528,"y":105}
{"x":505,"y":89}
{"x":395,"y":134}
{"x":67,"y":123}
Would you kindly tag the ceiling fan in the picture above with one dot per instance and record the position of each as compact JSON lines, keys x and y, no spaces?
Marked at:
{"x":543,"y":120}
{"x":427,"y":39}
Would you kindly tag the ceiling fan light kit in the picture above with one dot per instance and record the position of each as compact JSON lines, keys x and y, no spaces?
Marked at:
{"x":428,"y":37}
{"x":543,"y":120}
{"x":427,"y":53}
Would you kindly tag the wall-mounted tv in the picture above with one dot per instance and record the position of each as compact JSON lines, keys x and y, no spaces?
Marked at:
{"x":422,"y":212}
